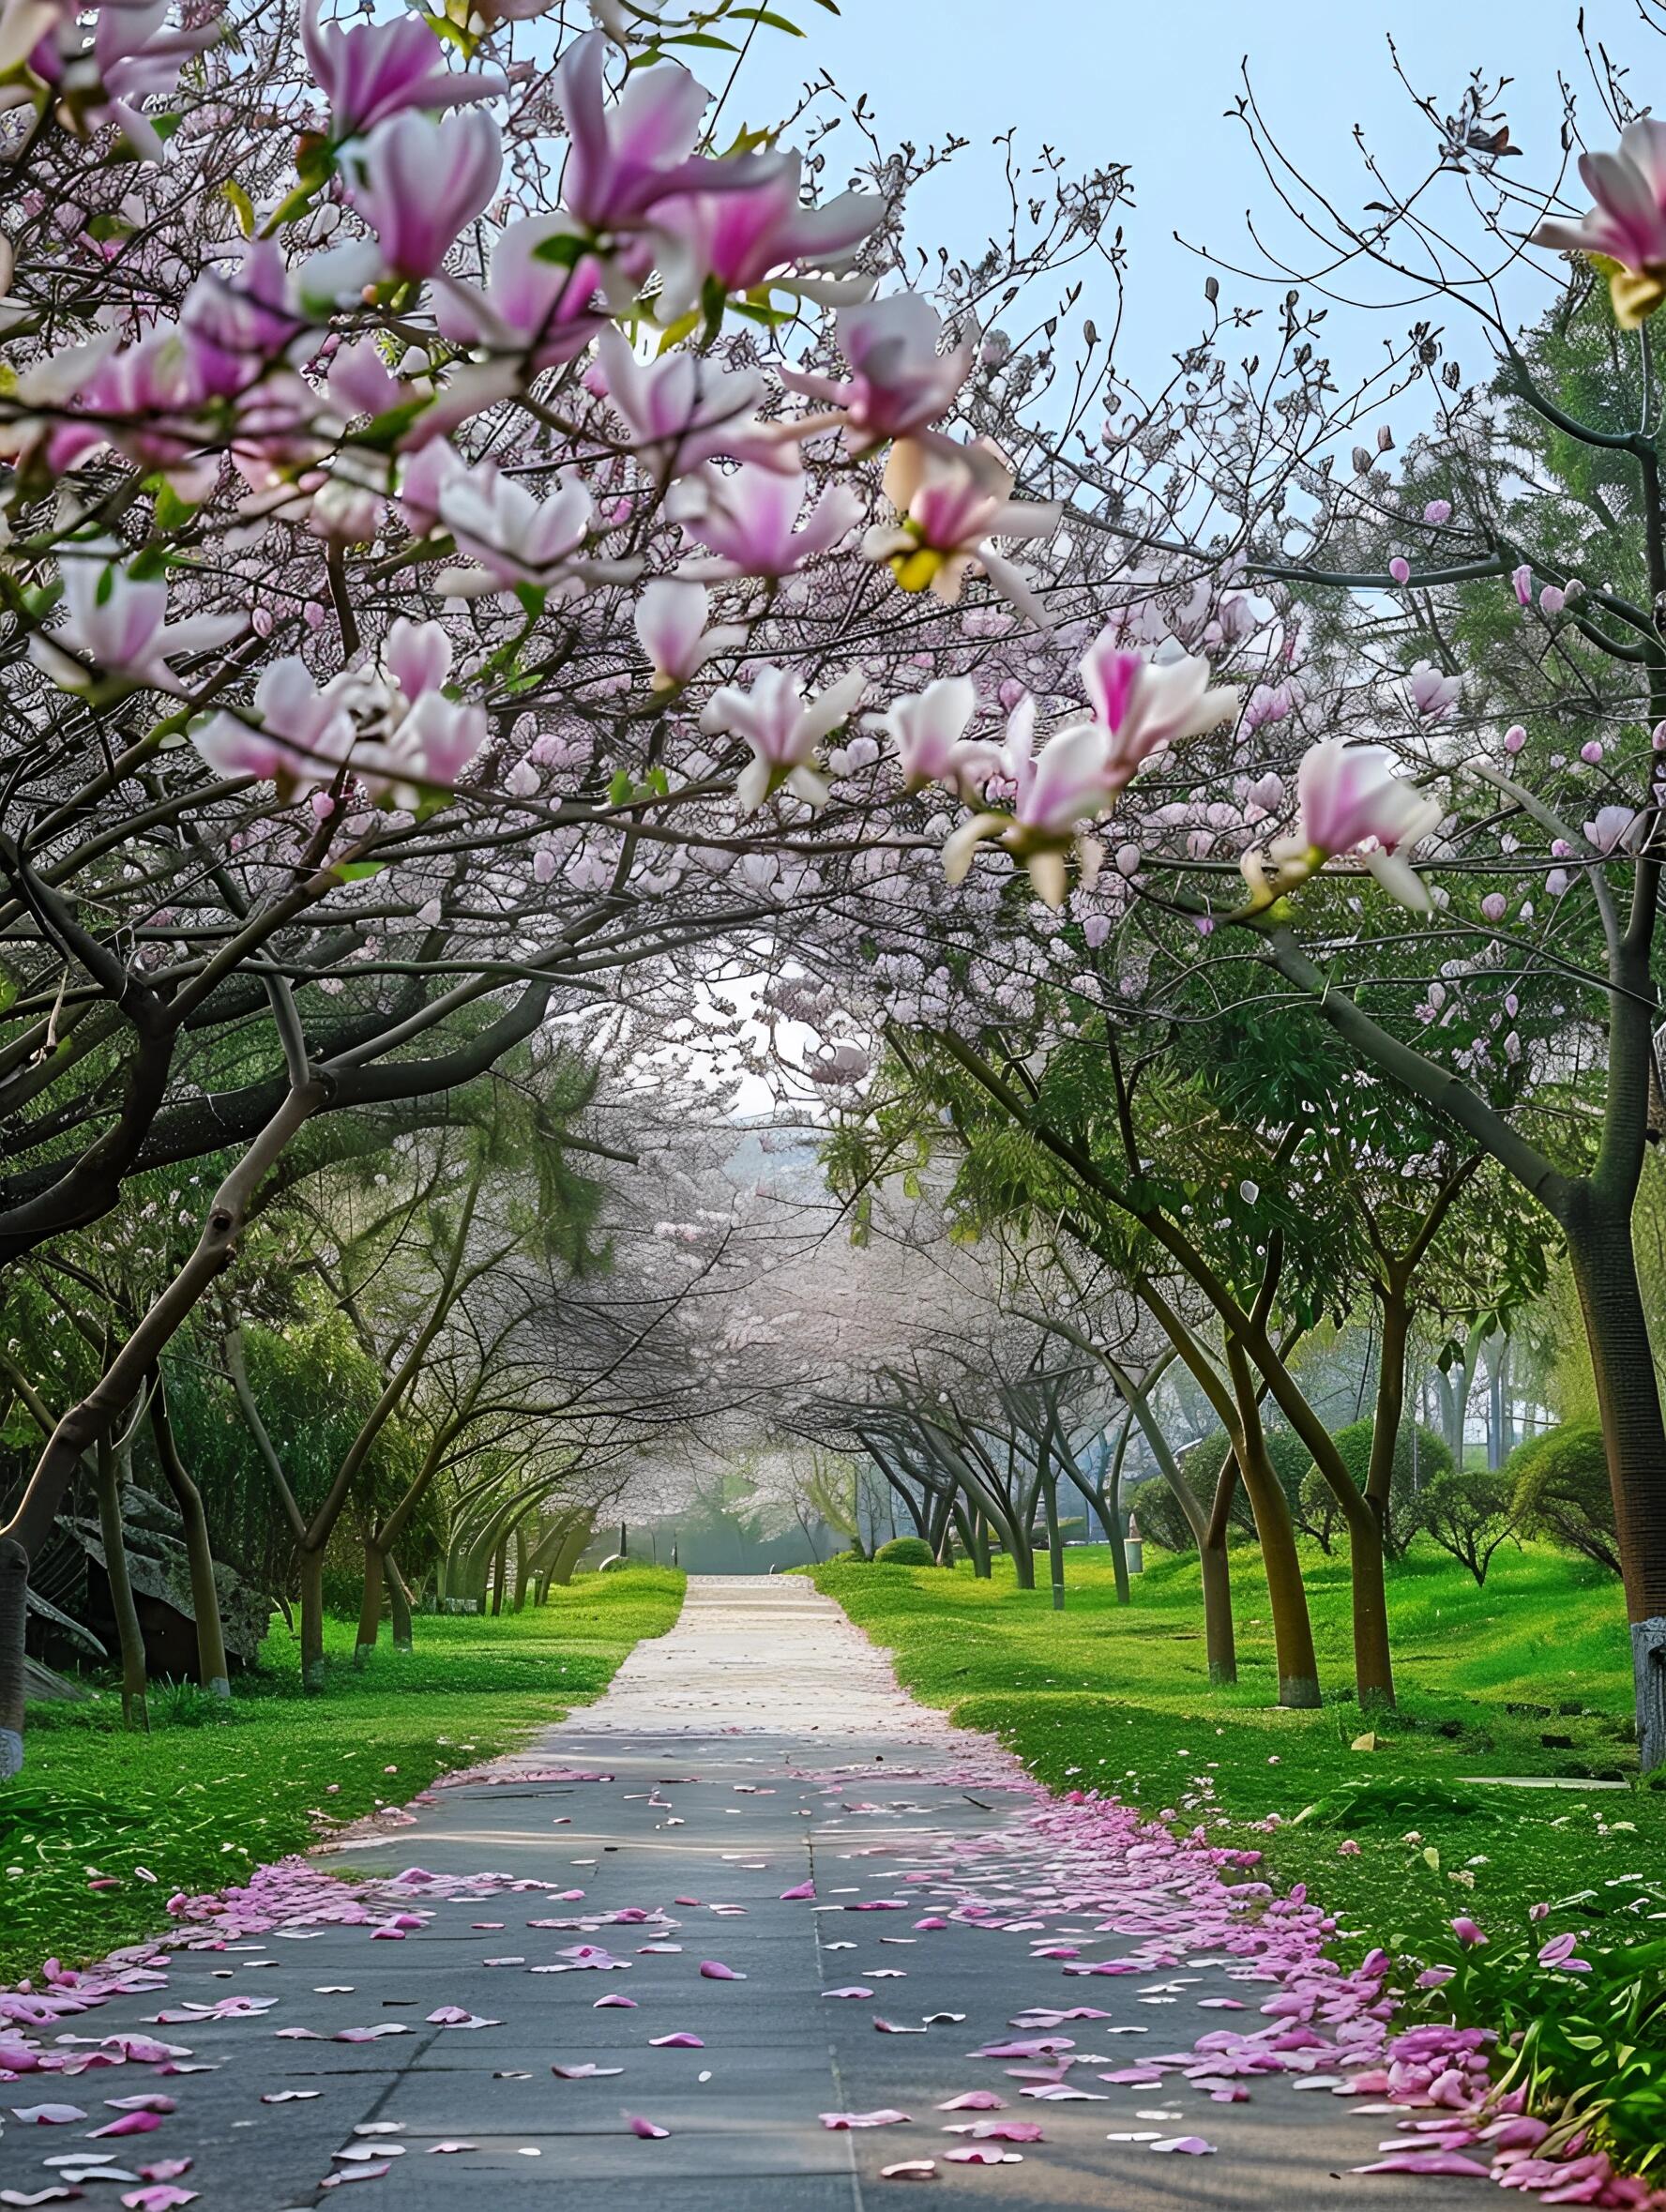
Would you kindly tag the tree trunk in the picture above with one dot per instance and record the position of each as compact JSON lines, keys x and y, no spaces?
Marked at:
{"x":1220,"y":1643}
{"x":130,"y":1636}
{"x":399,"y":1602}
{"x":500,"y":1560}
{"x":1389,"y":1409}
{"x":1605,"y":1272}
{"x":370,"y":1609}
{"x":1056,"y":1543}
{"x":211,"y":1654}
{"x":1287,"y":1597}
{"x":14,"y":1615}
{"x":977,"y":1546}
{"x":572,"y":1544}
{"x":313,"y":1673}
{"x":520,"y":1569}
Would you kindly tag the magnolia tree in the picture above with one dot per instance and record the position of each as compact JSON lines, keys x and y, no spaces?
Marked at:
{"x":448,"y":550}
{"x":1430,"y":809}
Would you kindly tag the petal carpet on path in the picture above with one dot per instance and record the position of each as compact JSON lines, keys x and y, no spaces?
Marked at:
{"x":841,"y":1842}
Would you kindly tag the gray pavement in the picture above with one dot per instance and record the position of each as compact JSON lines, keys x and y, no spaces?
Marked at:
{"x":763,"y":1745}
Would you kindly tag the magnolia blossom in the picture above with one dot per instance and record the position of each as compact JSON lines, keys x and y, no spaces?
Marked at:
{"x":516,"y":536}
{"x":739,"y":239}
{"x":671,"y":619}
{"x":783,"y":730}
{"x":1350,"y":798}
{"x":899,"y":383}
{"x":1613,"y":828}
{"x":417,"y":183}
{"x":747,"y":519}
{"x":116,"y":627}
{"x":1146,"y":705}
{"x":949,"y":505}
{"x":134,"y":55}
{"x":1057,"y":793}
{"x":369,"y":72}
{"x":1431,"y":694}
{"x":530,"y":304}
{"x":682,"y":410}
{"x":1627,"y":225}
{"x":930,"y":733}
{"x":430,"y":745}
{"x":621,"y":160}
{"x":299,"y":736}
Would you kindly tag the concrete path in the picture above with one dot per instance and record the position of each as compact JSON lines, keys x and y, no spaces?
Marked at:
{"x":759,"y":1747}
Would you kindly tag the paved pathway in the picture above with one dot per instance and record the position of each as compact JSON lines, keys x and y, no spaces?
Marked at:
{"x":762,"y":1746}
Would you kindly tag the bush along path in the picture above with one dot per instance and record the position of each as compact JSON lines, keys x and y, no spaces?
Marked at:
{"x":755,"y":1929}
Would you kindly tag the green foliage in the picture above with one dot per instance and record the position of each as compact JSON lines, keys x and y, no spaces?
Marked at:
{"x":1419,"y":1457}
{"x":1561,"y":1490}
{"x":905,"y":1552}
{"x":1587,"y":2040}
{"x":1469,"y":1513}
{"x":206,"y":1796}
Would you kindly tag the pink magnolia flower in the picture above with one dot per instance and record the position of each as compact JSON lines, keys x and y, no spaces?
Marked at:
{"x":369,"y":72}
{"x":739,"y":240}
{"x":416,"y":656}
{"x":116,"y":627}
{"x":1431,"y":694}
{"x":1522,"y":585}
{"x":624,"y":161}
{"x":929,"y":729}
{"x":950,"y":504}
{"x":899,"y":383}
{"x":1437,"y":512}
{"x":1468,"y":1932}
{"x":1146,"y":705}
{"x":671,"y":620}
{"x":1057,"y":791}
{"x":299,"y":736}
{"x":783,"y":730}
{"x":683,"y":410}
{"x":1627,"y":225}
{"x":1559,"y":1952}
{"x":430,"y":746}
{"x":1614,"y":828}
{"x":516,"y":536}
{"x":531,"y":304}
{"x":747,"y":519}
{"x":417,"y":183}
{"x":133,"y":56}
{"x":1350,"y":798}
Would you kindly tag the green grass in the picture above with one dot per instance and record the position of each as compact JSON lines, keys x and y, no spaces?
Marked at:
{"x":1117,"y":1698}
{"x":209,"y":1794}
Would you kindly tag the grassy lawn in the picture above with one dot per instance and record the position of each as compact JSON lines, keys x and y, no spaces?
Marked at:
{"x":207,"y":1795}
{"x":1528,"y":1676}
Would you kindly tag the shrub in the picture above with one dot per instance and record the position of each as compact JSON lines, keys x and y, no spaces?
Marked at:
{"x":1560,"y":1486}
{"x":1469,"y":1514}
{"x":1415,"y":1469}
{"x":906,"y":1552}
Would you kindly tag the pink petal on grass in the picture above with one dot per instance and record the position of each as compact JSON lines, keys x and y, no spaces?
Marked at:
{"x":974,"y":2100}
{"x":289,"y":2095}
{"x":613,"y":2005}
{"x":887,"y":2116}
{"x":55,"y":2195}
{"x":151,"y":2101}
{"x":681,"y":2040}
{"x":854,"y":1990}
{"x":162,"y":2199}
{"x":804,"y":1889}
{"x":436,"y":2150}
{"x":47,"y":2116}
{"x":1193,"y":2146}
{"x":357,"y":2173}
{"x":129,"y":2124}
{"x":714,"y":1970}
{"x":165,"y":2170}
{"x":998,"y":2130}
{"x":583,"y":2073}
{"x":983,"y":2153}
{"x":910,"y":2170}
{"x":645,"y":2129}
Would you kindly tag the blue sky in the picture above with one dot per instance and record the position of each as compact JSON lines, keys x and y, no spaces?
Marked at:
{"x":1147,"y":82}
